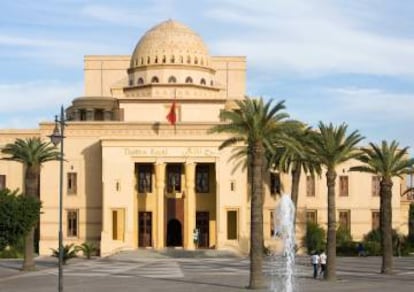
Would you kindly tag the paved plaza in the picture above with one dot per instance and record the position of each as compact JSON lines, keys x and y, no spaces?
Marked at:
{"x":195,"y":271}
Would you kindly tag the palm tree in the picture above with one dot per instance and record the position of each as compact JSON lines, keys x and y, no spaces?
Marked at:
{"x":386,"y":161}
{"x":294,"y":159}
{"x":256,"y":125}
{"x":331,"y":146}
{"x":31,"y":152}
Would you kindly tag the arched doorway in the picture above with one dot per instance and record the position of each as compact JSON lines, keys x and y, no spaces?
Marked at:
{"x":174,"y":233}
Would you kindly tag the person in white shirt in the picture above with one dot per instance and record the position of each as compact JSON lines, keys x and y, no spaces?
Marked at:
{"x":322,"y":260}
{"x":315,"y":262}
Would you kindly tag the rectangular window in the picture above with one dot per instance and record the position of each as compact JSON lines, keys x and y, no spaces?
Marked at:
{"x":312,"y":216}
{"x":173,"y":178}
{"x":310,"y":186}
{"x":376,"y":180}
{"x":274,"y":183}
{"x":2,"y":182}
{"x":202,"y":178}
{"x":118,"y":224}
{"x":375,"y":220}
{"x":345,"y":219}
{"x":72,"y":183}
{"x":145,"y":172}
{"x":343,"y":186}
{"x":72,"y":223}
{"x":232,"y":224}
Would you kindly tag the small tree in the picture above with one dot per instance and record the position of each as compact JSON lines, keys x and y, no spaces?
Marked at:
{"x":314,"y":237}
{"x":88,"y":249}
{"x":69,"y":251}
{"x":18,"y":214}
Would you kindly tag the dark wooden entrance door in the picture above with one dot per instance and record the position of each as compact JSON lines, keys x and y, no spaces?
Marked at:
{"x":174,"y":233}
{"x":145,"y":229}
{"x":202,"y":224}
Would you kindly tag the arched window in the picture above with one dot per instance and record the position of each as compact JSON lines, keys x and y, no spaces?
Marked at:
{"x":155,"y":79}
{"x":172,"y":79}
{"x":131,"y":82}
{"x":211,"y":83}
{"x":148,"y":60}
{"x":181,"y":59}
{"x":203,"y":81}
{"x":188,"y":60}
{"x":140,"y":81}
{"x":189,"y":80}
{"x":195,"y":60}
{"x":201,"y":61}
{"x":142,"y":61}
{"x":136,"y":62}
{"x":156,"y":60}
{"x":164,"y":59}
{"x":172,"y":60}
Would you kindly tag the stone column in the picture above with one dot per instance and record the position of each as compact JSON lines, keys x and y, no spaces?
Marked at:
{"x":90,"y":114}
{"x":190,"y":205}
{"x":107,"y":115}
{"x":159,"y":214}
{"x":77,"y":115}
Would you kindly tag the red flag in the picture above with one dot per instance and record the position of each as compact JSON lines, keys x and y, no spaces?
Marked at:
{"x":172,"y":116}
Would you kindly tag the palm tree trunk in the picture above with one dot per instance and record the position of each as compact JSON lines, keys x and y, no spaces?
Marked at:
{"x":28,"y":262}
{"x":386,"y":226}
{"x":296,"y":173}
{"x":330,"y":274}
{"x":256,"y":219}
{"x":32,"y":190}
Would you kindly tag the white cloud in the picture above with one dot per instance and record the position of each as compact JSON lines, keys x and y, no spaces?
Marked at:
{"x":310,"y":37}
{"x":371,"y":102}
{"x":31,"y":97}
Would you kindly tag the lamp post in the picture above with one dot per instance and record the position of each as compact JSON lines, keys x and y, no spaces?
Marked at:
{"x":56,"y":138}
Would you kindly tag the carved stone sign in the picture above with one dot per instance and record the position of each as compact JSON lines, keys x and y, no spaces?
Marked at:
{"x":172,"y":151}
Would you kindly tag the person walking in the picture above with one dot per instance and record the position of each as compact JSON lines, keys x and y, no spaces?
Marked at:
{"x":322,"y":260}
{"x":315,"y":263}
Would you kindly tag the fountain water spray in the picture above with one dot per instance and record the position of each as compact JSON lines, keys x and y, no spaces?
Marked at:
{"x":285,"y":230}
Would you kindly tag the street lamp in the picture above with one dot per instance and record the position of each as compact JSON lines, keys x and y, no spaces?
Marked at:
{"x":56,"y":138}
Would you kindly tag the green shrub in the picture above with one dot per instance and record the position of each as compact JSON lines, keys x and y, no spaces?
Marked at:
{"x":372,"y":248}
{"x":314,"y":238}
{"x":69,"y":251}
{"x":343,"y":236}
{"x":347,"y":248}
{"x":88,"y":249}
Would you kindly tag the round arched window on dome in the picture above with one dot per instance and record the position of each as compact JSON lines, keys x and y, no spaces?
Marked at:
{"x":203,"y":81}
{"x":164,"y":59}
{"x":148,"y":60}
{"x":201,"y":61}
{"x":188,"y":80}
{"x":172,"y":60}
{"x":195,"y":60}
{"x":142,"y":61}
{"x":156,"y":60}
{"x":188,"y":60}
{"x":155,"y":79}
{"x":140,"y":81}
{"x":181,"y":59}
{"x":211,"y":83}
{"x":172,"y":79}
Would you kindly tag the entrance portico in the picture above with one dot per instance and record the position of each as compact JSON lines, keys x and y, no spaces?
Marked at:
{"x":168,"y":196}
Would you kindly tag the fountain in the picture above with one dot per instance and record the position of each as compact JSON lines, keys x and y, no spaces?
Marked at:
{"x":284,"y":263}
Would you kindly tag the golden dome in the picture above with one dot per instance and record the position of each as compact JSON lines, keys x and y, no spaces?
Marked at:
{"x":170,"y":42}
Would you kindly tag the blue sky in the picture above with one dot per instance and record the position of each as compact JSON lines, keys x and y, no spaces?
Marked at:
{"x":332,"y":61}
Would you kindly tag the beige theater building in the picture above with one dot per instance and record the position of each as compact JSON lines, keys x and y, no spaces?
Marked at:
{"x":132,"y":179}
